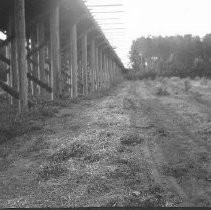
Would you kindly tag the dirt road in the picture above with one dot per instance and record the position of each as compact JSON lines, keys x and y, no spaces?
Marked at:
{"x":131,"y":148}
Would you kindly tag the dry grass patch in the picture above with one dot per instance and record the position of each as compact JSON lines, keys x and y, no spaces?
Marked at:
{"x":93,"y":158}
{"x":131,"y":139}
{"x":191,"y":168}
{"x":204,"y":81}
{"x":129,"y":103}
{"x":187,"y":85}
{"x":51,"y":170}
{"x":75,"y":150}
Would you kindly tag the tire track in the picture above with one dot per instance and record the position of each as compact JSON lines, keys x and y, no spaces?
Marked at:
{"x":175,"y":131}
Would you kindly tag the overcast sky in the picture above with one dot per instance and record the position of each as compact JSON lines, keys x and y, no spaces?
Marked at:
{"x":156,"y":17}
{"x":152,"y":17}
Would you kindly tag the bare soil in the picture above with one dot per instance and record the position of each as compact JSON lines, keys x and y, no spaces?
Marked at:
{"x":131,"y":147}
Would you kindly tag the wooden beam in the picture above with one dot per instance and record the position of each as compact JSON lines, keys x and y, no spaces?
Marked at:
{"x":74,"y":60}
{"x":84,"y":64}
{"x":20,"y":31}
{"x":13,"y":56}
{"x":35,"y":59}
{"x":8,"y":89}
{"x":41,"y":55}
{"x":4,"y":59}
{"x":55,"y":52}
{"x":39,"y":82}
{"x":13,"y":93}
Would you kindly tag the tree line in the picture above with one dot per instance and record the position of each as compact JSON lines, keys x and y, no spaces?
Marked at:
{"x":181,"y":56}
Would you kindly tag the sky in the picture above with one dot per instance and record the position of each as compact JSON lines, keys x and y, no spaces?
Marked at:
{"x":155,"y":17}
{"x":151,"y":17}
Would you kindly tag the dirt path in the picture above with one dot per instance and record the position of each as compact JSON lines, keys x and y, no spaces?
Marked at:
{"x":130,"y":148}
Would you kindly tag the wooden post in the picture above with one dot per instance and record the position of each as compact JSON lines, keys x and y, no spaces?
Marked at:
{"x":84,"y":64}
{"x":97,"y":69}
{"x":55,"y":52}
{"x":100,"y":69}
{"x":20,"y":31}
{"x":107,"y":72}
{"x":41,"y":54}
{"x":13,"y":58}
{"x":35,"y":59}
{"x":74,"y":60}
{"x":113,"y":70}
{"x":92,"y":65}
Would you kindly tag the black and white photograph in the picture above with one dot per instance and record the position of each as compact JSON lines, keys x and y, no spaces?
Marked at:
{"x":105,"y":103}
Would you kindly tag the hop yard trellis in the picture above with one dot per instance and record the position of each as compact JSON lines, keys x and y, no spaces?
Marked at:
{"x":53,"y":48}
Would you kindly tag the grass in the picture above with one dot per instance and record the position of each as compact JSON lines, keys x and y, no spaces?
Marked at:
{"x":75,"y":150}
{"x":187,"y":85}
{"x":161,"y":90}
{"x":93,"y":158}
{"x":131,"y":140}
{"x":129,"y":103}
{"x":193,"y":168}
{"x":204,"y":81}
{"x":51,"y":170}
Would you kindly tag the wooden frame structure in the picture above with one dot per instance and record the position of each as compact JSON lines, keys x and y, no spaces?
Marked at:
{"x":54,"y":48}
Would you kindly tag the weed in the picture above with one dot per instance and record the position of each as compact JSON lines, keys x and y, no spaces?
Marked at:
{"x":161,"y":90}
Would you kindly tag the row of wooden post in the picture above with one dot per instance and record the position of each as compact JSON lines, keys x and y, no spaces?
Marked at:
{"x":105,"y":70}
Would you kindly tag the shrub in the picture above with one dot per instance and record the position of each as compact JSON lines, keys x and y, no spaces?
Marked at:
{"x":161,"y":90}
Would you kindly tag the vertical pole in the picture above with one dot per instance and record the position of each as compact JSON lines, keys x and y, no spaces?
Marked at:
{"x":109,"y":72}
{"x":84,"y":64}
{"x":13,"y":58}
{"x":106,"y":71}
{"x":41,"y":55}
{"x":7,"y":55}
{"x":104,"y":68}
{"x":100,"y":69}
{"x":74,"y":59}
{"x":55,"y":52}
{"x":92,"y":65}
{"x":97,"y":69}
{"x":113,"y":67}
{"x":35,"y":59}
{"x":20,"y":30}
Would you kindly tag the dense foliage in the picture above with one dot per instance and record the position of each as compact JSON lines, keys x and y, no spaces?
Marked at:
{"x":172,"y":56}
